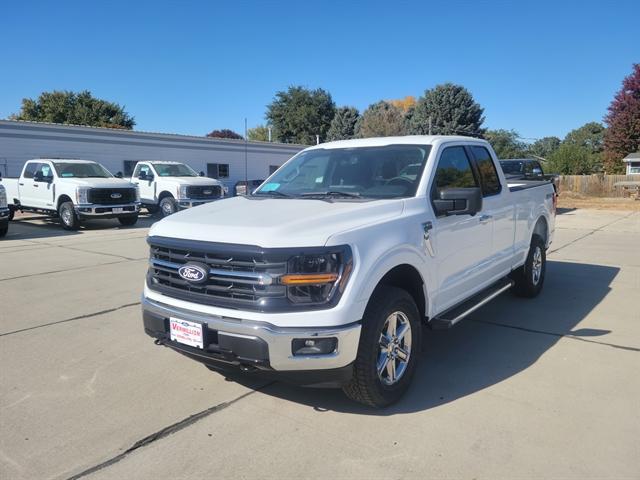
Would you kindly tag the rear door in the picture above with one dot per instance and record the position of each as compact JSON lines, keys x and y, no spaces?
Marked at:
{"x":462,"y":242}
{"x":27,"y":186}
{"x":498,"y":208}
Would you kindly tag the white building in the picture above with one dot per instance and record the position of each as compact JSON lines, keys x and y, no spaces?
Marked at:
{"x":633,"y":163}
{"x":119,"y":150}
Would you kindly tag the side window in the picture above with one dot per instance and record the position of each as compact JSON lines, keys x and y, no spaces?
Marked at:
{"x":488,"y":174}
{"x":528,"y":168}
{"x":454,"y":171}
{"x":142,"y":168}
{"x":136,"y":172}
{"x":44,"y":169}
{"x":30,"y":170}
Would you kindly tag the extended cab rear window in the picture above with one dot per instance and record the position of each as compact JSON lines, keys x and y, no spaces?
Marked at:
{"x":488,"y":174}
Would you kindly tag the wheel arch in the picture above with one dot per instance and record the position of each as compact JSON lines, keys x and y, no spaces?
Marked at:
{"x":62,"y":199}
{"x":541,"y":228}
{"x":408,"y":278}
{"x":164,"y":194}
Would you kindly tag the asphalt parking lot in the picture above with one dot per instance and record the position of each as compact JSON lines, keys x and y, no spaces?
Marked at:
{"x":521,"y":389}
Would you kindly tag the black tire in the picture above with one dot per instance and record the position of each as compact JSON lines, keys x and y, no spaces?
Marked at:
{"x":4,"y":228}
{"x":529,"y":278}
{"x":152,"y":209}
{"x":168,"y":206}
{"x":128,"y":221}
{"x":68,"y":216}
{"x":12,"y":213}
{"x":366,"y":385}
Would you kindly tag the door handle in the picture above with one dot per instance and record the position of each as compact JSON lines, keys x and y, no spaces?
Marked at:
{"x":485,"y":218}
{"x":21,"y":184}
{"x":36,"y":185}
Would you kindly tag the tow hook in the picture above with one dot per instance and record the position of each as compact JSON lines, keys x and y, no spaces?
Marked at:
{"x":157,"y":341}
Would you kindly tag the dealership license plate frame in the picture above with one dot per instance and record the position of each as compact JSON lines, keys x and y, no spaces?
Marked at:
{"x":117,"y":210}
{"x":188,"y":334}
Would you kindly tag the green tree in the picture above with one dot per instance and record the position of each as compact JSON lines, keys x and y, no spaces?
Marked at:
{"x":74,"y":108}
{"x":299,"y":114}
{"x":259,"y":133}
{"x":590,"y":136}
{"x":506,"y":143}
{"x":452,"y":111}
{"x":344,"y":123}
{"x":544,"y":147}
{"x":573,"y":159}
{"x":225,"y":133}
{"x":381,"y":119}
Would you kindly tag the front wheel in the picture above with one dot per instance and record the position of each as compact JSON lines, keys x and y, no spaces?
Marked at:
{"x":529,"y":278}
{"x":68,"y":216}
{"x":128,"y":221}
{"x":4,"y":228}
{"x":389,"y":349}
{"x":168,"y":206}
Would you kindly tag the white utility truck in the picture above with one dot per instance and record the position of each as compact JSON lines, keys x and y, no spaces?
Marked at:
{"x":74,"y":190}
{"x":328,"y":272}
{"x":4,"y":212}
{"x":171,"y":186}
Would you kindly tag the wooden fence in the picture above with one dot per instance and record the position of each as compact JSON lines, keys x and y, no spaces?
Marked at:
{"x":598,"y":185}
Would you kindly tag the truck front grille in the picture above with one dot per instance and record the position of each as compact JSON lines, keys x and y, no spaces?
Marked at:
{"x":238,"y":276}
{"x":203,"y":192}
{"x":112,"y":196}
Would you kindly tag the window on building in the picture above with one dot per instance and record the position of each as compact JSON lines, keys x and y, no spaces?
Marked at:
{"x":488,"y":174}
{"x":273,"y":168}
{"x":129,"y":165}
{"x":218,"y":170}
{"x":634,"y":167}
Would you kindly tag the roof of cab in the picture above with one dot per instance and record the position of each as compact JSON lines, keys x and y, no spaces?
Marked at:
{"x":403,"y":140}
{"x":58,"y":160}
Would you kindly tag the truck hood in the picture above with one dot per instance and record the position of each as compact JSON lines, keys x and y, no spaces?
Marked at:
{"x":98,"y":182}
{"x":274,"y":222}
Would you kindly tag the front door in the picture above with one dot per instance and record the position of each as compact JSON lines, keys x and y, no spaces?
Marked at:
{"x":146,"y":186}
{"x":462,"y":243}
{"x":42,"y":195}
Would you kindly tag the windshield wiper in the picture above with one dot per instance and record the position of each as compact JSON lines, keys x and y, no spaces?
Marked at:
{"x":274,"y":193}
{"x":331,"y":193}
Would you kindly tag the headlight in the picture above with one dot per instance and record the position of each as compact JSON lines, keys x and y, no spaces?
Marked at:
{"x":82,"y":195}
{"x":137,"y":193}
{"x":182,"y":191}
{"x":3,"y":198}
{"x":314,"y":279}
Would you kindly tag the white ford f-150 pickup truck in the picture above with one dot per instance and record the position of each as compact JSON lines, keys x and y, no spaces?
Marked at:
{"x":170,"y":186}
{"x":4,"y":212}
{"x":74,"y":190}
{"x":327,"y":273}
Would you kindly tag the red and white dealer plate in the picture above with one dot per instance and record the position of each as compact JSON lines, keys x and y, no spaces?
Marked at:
{"x":186,"y":332}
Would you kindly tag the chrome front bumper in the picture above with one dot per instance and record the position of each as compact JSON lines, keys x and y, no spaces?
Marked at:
{"x":103,"y":210}
{"x":278,"y":340}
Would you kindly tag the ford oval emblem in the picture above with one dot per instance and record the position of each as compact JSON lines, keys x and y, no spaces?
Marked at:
{"x":207,"y":192}
{"x":116,"y":195}
{"x":193,"y":273}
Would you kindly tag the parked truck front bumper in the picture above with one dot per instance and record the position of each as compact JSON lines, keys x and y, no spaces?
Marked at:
{"x":107,"y":211}
{"x":190,"y":202}
{"x":258,"y":346}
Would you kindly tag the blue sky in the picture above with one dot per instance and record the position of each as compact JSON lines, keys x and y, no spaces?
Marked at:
{"x":541,"y":68}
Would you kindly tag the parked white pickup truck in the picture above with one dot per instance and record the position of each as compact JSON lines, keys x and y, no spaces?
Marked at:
{"x":74,"y":190}
{"x":4,"y":212}
{"x":327,"y":273}
{"x":171,"y":186}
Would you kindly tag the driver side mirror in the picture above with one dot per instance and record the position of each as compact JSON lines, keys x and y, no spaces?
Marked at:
{"x":201,"y":174}
{"x":458,"y":201}
{"x":119,"y":175}
{"x":536,"y":171}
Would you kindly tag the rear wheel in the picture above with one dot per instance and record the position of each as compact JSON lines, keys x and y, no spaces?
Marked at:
{"x":12,"y":213}
{"x":128,"y":221}
{"x":529,"y":278}
{"x":168,"y":206}
{"x":68,"y":216}
{"x":389,"y":348}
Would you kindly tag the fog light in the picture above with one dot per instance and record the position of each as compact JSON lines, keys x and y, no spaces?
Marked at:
{"x":314,"y":346}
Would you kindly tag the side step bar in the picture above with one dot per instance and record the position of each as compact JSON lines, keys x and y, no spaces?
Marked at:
{"x":452,"y":316}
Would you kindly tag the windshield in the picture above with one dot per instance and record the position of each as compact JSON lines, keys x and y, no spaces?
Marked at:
{"x":512,"y":167}
{"x":81,"y":170}
{"x":174,"y":170}
{"x":393,"y":171}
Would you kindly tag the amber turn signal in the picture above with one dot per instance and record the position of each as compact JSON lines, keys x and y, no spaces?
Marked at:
{"x":308,"y":279}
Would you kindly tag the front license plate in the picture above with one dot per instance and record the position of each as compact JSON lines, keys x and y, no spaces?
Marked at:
{"x":186,"y":332}
{"x":118,"y":210}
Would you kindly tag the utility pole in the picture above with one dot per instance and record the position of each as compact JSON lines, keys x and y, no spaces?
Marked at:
{"x":269,"y":128}
{"x":429,"y":124}
{"x":317,"y":139}
{"x":246,"y":165}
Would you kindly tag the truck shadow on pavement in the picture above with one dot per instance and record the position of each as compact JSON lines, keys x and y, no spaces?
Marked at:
{"x":500,"y":340}
{"x":27,"y":227}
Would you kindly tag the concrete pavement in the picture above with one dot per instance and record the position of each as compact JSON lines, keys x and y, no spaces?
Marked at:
{"x":521,"y":389}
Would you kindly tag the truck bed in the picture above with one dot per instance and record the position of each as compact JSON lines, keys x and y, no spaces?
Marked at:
{"x":518,"y":185}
